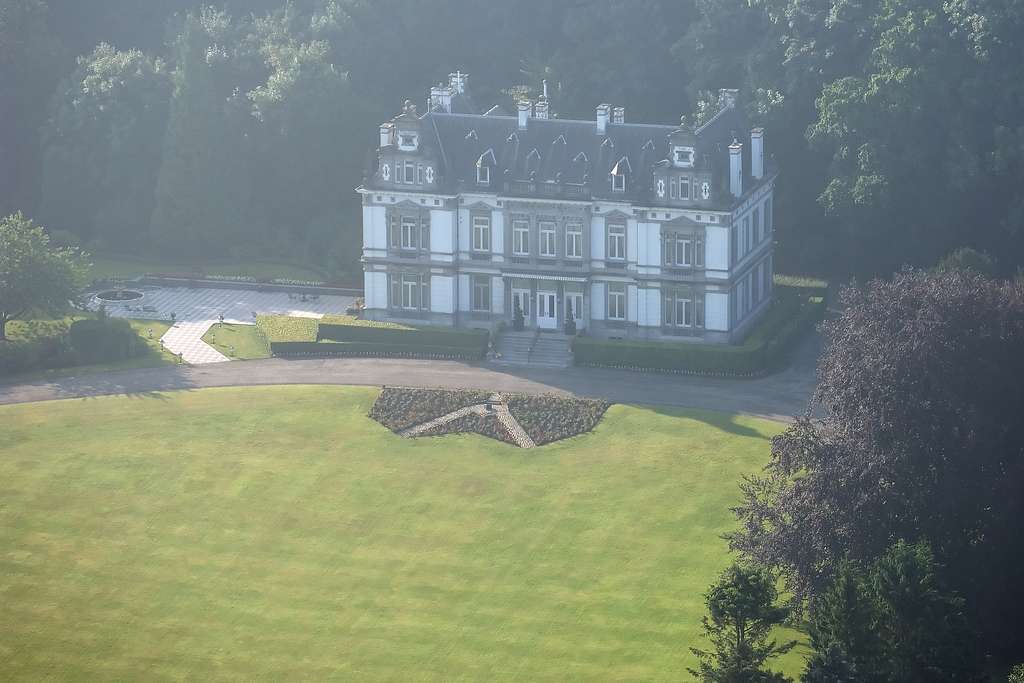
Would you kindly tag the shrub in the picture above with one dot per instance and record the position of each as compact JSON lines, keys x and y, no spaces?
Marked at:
{"x":399,"y":408}
{"x":765,"y":348}
{"x":105,"y":339}
{"x":548,"y":418}
{"x":282,"y":328}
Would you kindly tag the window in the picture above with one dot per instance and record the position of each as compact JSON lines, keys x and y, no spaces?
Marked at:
{"x":768,"y":218}
{"x":618,"y":182}
{"x":409,"y":233}
{"x":481,"y":293}
{"x":574,"y":240}
{"x":679,"y":308}
{"x":409,"y":172}
{"x":394,"y":232}
{"x":672,"y":190}
{"x":616,"y":301}
{"x":419,"y":173}
{"x":745,"y":236}
{"x":757,"y":226}
{"x":483,"y":175}
{"x":547,"y":239}
{"x":520,"y":238}
{"x":410,"y":292}
{"x":684,"y":250}
{"x":617,"y":242}
{"x":407,"y":140}
{"x":684,"y":156}
{"x":684,"y":188}
{"x":481,"y":233}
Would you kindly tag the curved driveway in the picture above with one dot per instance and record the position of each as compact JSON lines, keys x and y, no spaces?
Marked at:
{"x":776,"y":397}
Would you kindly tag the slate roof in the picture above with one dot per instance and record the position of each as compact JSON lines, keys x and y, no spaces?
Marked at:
{"x":568,"y":158}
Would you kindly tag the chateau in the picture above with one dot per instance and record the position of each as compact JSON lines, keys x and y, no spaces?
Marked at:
{"x":637,"y":231}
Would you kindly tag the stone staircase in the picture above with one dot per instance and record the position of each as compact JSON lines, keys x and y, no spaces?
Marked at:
{"x":534,"y":348}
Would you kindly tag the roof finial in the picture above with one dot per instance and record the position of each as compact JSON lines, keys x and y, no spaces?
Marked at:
{"x":545,"y":83}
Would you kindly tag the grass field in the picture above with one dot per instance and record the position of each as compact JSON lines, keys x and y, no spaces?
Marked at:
{"x":128,"y":267}
{"x":278,"y":533}
{"x":241,"y":342}
{"x":29,"y":330}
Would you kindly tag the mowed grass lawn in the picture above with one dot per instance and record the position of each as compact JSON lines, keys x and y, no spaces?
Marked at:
{"x":279,"y":533}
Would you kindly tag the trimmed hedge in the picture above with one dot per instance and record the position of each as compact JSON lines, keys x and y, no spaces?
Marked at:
{"x":282,"y":328}
{"x":475,"y":340}
{"x":107,"y":339}
{"x":764,"y":350}
{"x":333,"y":348}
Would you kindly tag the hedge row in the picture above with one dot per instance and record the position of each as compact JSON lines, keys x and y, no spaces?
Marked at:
{"x":333,"y":348}
{"x":83,"y":342}
{"x":469,"y":340}
{"x":282,"y":328}
{"x":763,"y":351}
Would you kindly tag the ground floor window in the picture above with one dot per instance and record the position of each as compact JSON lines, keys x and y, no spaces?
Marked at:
{"x":481,"y":293}
{"x":410,"y":291}
{"x":683,"y":308}
{"x":616,"y":301}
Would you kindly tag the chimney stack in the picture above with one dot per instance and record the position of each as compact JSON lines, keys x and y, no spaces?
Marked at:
{"x":441,"y":98}
{"x":736,"y":168}
{"x":757,"y":153}
{"x":540,"y":110}
{"x":385,"y":134}
{"x":603,"y":110}
{"x":458,"y":82}
{"x":619,"y":115}
{"x":727,"y":98}
{"x":523,"y":107}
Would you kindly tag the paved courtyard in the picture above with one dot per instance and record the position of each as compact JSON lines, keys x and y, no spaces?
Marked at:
{"x":197,"y":309}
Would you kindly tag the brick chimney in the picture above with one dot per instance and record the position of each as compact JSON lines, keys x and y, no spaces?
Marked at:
{"x":736,"y":168}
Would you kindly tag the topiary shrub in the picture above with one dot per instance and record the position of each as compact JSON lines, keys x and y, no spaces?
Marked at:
{"x":101,"y":340}
{"x":518,"y":321}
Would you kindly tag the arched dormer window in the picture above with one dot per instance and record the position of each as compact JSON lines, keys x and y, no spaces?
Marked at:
{"x":484,"y":165}
{"x":618,"y":174}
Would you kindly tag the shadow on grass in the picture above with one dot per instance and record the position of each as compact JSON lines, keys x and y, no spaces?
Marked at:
{"x":727,"y":422}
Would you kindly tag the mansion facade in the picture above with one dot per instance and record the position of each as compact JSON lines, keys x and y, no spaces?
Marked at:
{"x":637,"y":231}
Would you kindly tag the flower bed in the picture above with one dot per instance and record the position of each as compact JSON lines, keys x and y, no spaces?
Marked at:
{"x":399,"y":408}
{"x":545,"y":418}
{"x":548,"y":418}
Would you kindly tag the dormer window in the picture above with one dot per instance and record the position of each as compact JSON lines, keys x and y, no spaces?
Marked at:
{"x":618,"y":183}
{"x":483,"y":175}
{"x":408,"y":141}
{"x":682,"y":156}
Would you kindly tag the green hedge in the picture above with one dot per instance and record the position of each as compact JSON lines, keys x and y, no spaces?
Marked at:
{"x":284,"y":328}
{"x":764,"y":349}
{"x":360,"y":348}
{"x":413,"y":337}
{"x":106,"y":339}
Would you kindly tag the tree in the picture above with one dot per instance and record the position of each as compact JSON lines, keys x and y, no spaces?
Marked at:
{"x":741,"y":614}
{"x":920,"y":437}
{"x":891,"y":621}
{"x":34,"y":275}
{"x":102,"y":147}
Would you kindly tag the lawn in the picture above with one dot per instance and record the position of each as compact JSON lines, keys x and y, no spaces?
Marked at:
{"x":241,"y":342}
{"x":29,"y":330}
{"x":129,"y":267}
{"x":279,"y":533}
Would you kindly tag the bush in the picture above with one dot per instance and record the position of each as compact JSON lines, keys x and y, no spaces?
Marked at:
{"x":282,"y":328}
{"x":108,"y":339}
{"x":337,"y":349}
{"x":399,"y":408}
{"x":419,"y":337}
{"x":765,"y":348}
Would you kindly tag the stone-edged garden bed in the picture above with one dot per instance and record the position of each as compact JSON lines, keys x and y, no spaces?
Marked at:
{"x":544,"y":418}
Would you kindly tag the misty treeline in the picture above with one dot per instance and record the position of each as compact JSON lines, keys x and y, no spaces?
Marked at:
{"x":242,"y":128}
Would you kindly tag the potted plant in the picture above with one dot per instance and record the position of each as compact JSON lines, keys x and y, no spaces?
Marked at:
{"x":518,"y":323}
{"x":570,"y":319}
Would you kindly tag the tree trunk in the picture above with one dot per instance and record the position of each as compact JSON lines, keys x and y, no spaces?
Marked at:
{"x":3,"y":326}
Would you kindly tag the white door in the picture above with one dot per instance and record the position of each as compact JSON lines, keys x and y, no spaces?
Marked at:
{"x":576,"y":301}
{"x":547,"y":311}
{"x":522,"y":296}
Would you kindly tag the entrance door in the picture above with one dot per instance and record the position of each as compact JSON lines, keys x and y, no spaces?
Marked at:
{"x":522,"y":296}
{"x":547,"y":311}
{"x":576,"y":301}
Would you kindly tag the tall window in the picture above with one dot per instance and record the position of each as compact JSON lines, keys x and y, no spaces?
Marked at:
{"x":410,"y":172}
{"x":574,"y":240}
{"x":616,"y":301}
{"x":520,"y":238}
{"x":769,"y":222}
{"x":757,"y":226}
{"x":410,"y":233}
{"x":617,"y":241}
{"x":481,"y":293}
{"x":683,"y":308}
{"x":547,"y":239}
{"x":684,"y":188}
{"x":746,"y":234}
{"x":684,"y":250}
{"x":481,"y":233}
{"x":672,"y":188}
{"x":419,"y":173}
{"x":410,"y":291}
{"x":483,"y":175}
{"x":394,"y":231}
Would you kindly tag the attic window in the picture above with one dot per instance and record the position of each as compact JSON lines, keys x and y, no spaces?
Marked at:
{"x":618,"y":183}
{"x":683,"y":156}
{"x":483,"y":175}
{"x":407,"y":141}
